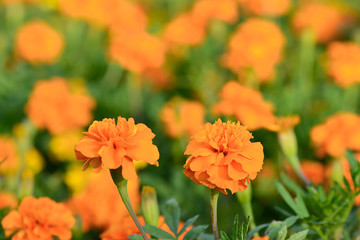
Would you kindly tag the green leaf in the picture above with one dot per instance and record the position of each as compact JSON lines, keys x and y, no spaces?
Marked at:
{"x":187,"y":224}
{"x":297,"y":205}
{"x":291,"y":184}
{"x":157,"y":232}
{"x":347,"y":184}
{"x":299,"y":235}
{"x":224,"y":236}
{"x":206,"y":236}
{"x":195,"y":232}
{"x":282,"y":233}
{"x":255,"y":230}
{"x":135,"y":237}
{"x":291,"y":221}
{"x":235,"y":233}
{"x":172,"y":215}
{"x":244,"y":228}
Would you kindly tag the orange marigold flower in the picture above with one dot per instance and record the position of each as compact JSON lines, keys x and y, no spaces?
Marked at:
{"x":222,"y":157}
{"x":257,"y":45}
{"x":314,"y":171}
{"x":261,"y":238}
{"x":247,"y":105}
{"x":181,"y":117}
{"x":117,"y":145}
{"x":185,"y":30}
{"x":53,"y":106}
{"x":273,"y":8}
{"x":37,"y":42}
{"x":339,"y":132}
{"x":324,"y":20}
{"x":224,"y":10}
{"x":9,"y":161}
{"x":137,"y":51}
{"x":7,"y":200}
{"x":40,"y":218}
{"x":344,"y":63}
{"x":100,"y":204}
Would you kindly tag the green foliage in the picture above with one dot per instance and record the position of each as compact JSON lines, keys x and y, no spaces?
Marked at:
{"x":238,"y":232}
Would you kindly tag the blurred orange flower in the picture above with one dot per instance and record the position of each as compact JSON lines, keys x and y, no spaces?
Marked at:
{"x":117,"y":145}
{"x":256,"y":45}
{"x":283,"y":124}
{"x":181,"y":117}
{"x":37,"y":42}
{"x":273,"y":8}
{"x":7,"y":200}
{"x":222,"y":157}
{"x":324,"y":20}
{"x":314,"y":171}
{"x":261,"y":238}
{"x":339,"y":132}
{"x":9,"y":161}
{"x":224,"y":10}
{"x":185,"y":30}
{"x":100,"y":205}
{"x":137,"y":51}
{"x":247,"y":105}
{"x":40,"y":218}
{"x":344,"y":63}
{"x":53,"y":106}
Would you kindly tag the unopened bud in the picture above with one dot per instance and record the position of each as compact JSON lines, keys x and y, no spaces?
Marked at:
{"x":149,"y":205}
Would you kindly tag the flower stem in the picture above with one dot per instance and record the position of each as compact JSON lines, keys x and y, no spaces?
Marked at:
{"x":121,"y":184}
{"x":214,"y":195}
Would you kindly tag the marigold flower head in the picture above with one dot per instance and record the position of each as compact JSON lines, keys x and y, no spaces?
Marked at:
{"x":222,"y":157}
{"x":247,"y":105}
{"x":40,"y":218}
{"x":273,"y":8}
{"x":340,"y":132}
{"x":224,"y":10}
{"x":314,"y":171}
{"x":111,"y":145}
{"x":9,"y":160}
{"x":344,"y":63}
{"x":257,"y":44}
{"x":53,"y":106}
{"x":185,"y":29}
{"x":100,"y":204}
{"x":37,"y":42}
{"x":182,"y":117}
{"x":324,"y":20}
{"x":7,"y":200}
{"x":137,"y":51}
{"x":261,"y":238}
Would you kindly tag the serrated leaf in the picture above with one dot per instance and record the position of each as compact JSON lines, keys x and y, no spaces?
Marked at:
{"x":244,"y":228}
{"x":187,"y":224}
{"x":299,"y":235}
{"x":135,"y":237}
{"x":224,"y":236}
{"x":235,"y":233}
{"x":282,"y":233}
{"x":303,"y":212}
{"x":172,"y":215}
{"x":157,"y":232}
{"x":347,"y":184}
{"x":195,"y":232}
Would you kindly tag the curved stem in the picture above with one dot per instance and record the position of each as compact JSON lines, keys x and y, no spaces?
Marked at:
{"x":214,"y":195}
{"x":121,"y":184}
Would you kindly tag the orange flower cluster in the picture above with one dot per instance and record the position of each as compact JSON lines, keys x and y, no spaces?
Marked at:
{"x":247,"y":105}
{"x":7,"y":200}
{"x":53,"y":106}
{"x":40,"y":218}
{"x":272,"y":8}
{"x":100,"y":205}
{"x":9,"y":161}
{"x":256,"y":45}
{"x":117,"y":145}
{"x":323,"y":19}
{"x":181,"y":117}
{"x":189,"y":28}
{"x":222,"y":157}
{"x":344,"y":63}
{"x":340,"y":132}
{"x":37,"y":42}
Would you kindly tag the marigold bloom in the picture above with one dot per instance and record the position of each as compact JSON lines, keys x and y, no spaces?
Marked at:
{"x":261,"y":238}
{"x":247,"y":105}
{"x":273,"y":8}
{"x":40,"y":218}
{"x":257,"y":44}
{"x":100,"y":205}
{"x":182,"y":117}
{"x":185,"y":30}
{"x":137,"y":51}
{"x":9,"y":161}
{"x":37,"y":42}
{"x":284,"y":124}
{"x":222,"y":157}
{"x":314,"y":171}
{"x":344,"y":63}
{"x":224,"y":10}
{"x":117,"y":145}
{"x":323,"y":19}
{"x":53,"y":106}
{"x":7,"y":200}
{"x":339,"y":132}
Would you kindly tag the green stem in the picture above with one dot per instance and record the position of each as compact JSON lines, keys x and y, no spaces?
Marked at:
{"x":214,"y":195}
{"x":249,"y":212}
{"x":121,"y":184}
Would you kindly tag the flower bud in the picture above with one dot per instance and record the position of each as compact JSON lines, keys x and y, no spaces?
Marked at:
{"x":149,"y":205}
